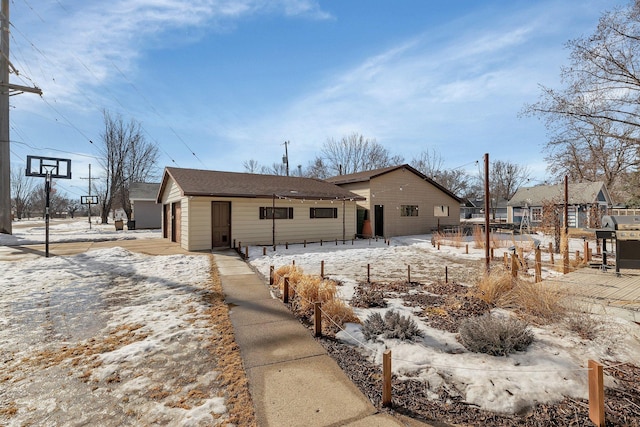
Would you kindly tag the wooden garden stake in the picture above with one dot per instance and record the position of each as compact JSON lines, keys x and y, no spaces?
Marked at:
{"x":322,"y":269}
{"x":505,"y":259}
{"x":596,"y":393}
{"x":264,"y":250}
{"x":285,"y":291}
{"x":305,"y":243}
{"x":446,"y":274}
{"x":246,"y":252}
{"x":368,"y":273}
{"x":317,"y":319}
{"x":271,"y":270}
{"x":466,"y":249}
{"x":514,"y":265}
{"x":491,"y":250}
{"x":587,"y":258}
{"x":286,"y":245}
{"x":408,"y":274}
{"x":386,"y":374}
{"x":293,"y":262}
{"x":538,"y":274}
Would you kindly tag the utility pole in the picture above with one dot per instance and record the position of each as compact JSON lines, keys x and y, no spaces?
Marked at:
{"x":487,"y":223}
{"x":285,"y":158}
{"x":5,"y":148}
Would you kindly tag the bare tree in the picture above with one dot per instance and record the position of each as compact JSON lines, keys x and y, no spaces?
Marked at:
{"x":506,"y":178}
{"x":274,"y":169}
{"x":594,"y":119}
{"x":251,"y":166}
{"x":22,"y":188}
{"x":126,"y":157}
{"x":354,"y":153}
{"x":431,"y":164}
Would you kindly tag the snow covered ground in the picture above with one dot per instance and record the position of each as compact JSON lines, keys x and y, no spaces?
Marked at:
{"x":108,"y":337}
{"x":29,"y":232}
{"x":554,"y":365}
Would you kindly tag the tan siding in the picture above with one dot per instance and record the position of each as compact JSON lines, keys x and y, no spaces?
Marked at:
{"x":361,"y":189}
{"x":248,"y":229}
{"x":402,"y":187}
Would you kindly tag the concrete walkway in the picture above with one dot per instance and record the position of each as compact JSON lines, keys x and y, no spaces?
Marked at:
{"x":292,"y":379}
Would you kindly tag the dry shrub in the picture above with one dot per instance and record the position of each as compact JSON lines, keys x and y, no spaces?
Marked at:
{"x":497,"y":336}
{"x":541,"y":301}
{"x":494,"y":285}
{"x":579,"y":320}
{"x":457,"y":238}
{"x":310,"y":289}
{"x":294,"y":273}
{"x":336,"y":314}
{"x":478,"y":237}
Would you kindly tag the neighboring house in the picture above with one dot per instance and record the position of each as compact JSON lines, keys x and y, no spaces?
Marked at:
{"x":147,"y":213}
{"x":203,"y":209}
{"x":474,"y":209}
{"x":400,"y":201}
{"x":587,"y":202}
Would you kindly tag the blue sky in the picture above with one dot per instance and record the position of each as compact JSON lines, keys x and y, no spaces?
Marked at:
{"x":232,"y":80}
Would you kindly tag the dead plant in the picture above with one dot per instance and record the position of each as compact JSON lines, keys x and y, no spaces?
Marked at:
{"x":542,"y":302}
{"x":336,"y":314}
{"x":493,"y":286}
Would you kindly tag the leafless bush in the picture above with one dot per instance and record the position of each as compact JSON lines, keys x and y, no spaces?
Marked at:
{"x":579,"y":320}
{"x":493,"y":286}
{"x":393,"y":325}
{"x":494,"y":335}
{"x":541,"y":301}
{"x":368,"y":295}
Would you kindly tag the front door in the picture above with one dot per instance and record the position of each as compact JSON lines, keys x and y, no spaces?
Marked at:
{"x":378,"y":211}
{"x":175,"y":222}
{"x":220,"y":224}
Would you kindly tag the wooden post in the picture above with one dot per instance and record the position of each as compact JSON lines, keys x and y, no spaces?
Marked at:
{"x":514,"y":265}
{"x":336,"y":242}
{"x":550,"y":247}
{"x":234,"y":243}
{"x":286,"y":245}
{"x":446,"y":274}
{"x":596,"y":393}
{"x":466,"y":249}
{"x":438,"y":245}
{"x":264,"y":250}
{"x":271,"y":271}
{"x":551,"y":257}
{"x":386,"y":375}
{"x":491,"y":250}
{"x":505,"y":259}
{"x":565,"y":261}
{"x":408,"y":274}
{"x":322,"y":269}
{"x":352,"y":243}
{"x":293,"y":262}
{"x":305,"y":243}
{"x":538,"y":274}
{"x":368,"y":273}
{"x":246,"y":252}
{"x":320,"y":242}
{"x":587,"y":258}
{"x":317,"y":319}
{"x":577,"y":256}
{"x":239,"y":248}
{"x":285,"y":291}
{"x":388,"y":242}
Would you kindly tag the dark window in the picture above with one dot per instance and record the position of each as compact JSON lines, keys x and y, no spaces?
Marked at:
{"x":278,"y":213}
{"x":323,"y":212}
{"x":408,"y":210}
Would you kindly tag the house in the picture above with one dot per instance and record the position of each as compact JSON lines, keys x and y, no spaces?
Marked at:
{"x":400,"y":201}
{"x":204,"y":209}
{"x":471,"y":209}
{"x":587,"y":202}
{"x":145,"y":211}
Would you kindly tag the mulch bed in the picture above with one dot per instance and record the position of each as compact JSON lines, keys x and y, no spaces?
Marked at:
{"x":446,"y":305}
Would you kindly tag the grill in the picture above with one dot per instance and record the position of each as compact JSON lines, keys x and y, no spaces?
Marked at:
{"x":626,"y":232}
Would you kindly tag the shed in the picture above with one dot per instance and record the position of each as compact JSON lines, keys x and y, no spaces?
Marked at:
{"x":147,"y":213}
{"x":587,"y":202}
{"x":205,"y":209}
{"x":400,"y":201}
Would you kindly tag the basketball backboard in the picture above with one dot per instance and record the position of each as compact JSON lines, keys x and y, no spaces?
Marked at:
{"x":43,"y":166}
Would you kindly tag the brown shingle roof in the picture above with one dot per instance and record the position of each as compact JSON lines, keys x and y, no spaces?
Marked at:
{"x":369,"y":175}
{"x":195,"y":182}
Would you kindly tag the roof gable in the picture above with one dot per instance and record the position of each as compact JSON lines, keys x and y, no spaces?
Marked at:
{"x":372,"y":174}
{"x":582,"y":193}
{"x":196,"y":182}
{"x":144,"y":190}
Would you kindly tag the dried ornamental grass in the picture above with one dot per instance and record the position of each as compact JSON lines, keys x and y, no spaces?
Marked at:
{"x":293,"y":272}
{"x":338,"y":314}
{"x":539,"y":300}
{"x":493,"y":286}
{"x":310,"y":289}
